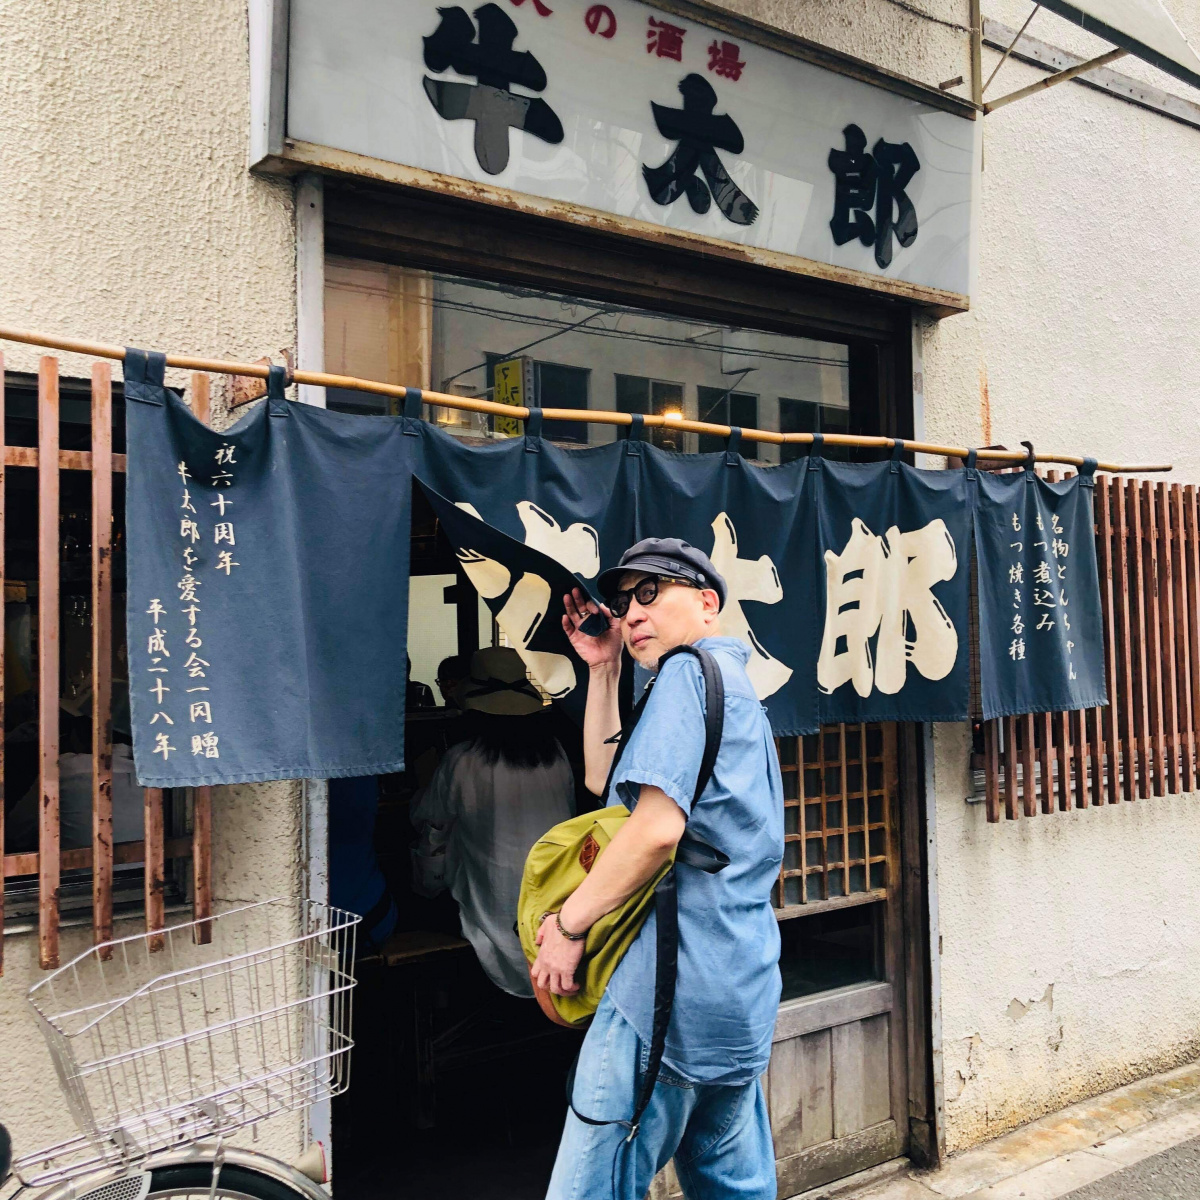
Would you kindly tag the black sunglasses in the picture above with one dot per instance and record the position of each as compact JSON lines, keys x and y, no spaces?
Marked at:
{"x":645,"y":592}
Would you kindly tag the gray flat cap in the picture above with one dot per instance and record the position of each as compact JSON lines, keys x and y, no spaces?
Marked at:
{"x":665,"y":556}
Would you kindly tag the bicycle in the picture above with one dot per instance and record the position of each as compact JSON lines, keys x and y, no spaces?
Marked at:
{"x":251,"y":1019}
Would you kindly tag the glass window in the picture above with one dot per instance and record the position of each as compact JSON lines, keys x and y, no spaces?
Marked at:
{"x":658,"y":396}
{"x":723,"y":407}
{"x":831,"y":950}
{"x":446,"y":333}
{"x":561,"y":386}
{"x":807,"y":416}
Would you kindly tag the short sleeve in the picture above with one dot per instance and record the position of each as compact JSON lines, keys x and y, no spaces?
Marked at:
{"x":667,"y":745}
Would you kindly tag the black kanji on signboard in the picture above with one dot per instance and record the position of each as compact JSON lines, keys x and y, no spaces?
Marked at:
{"x":491,"y":103}
{"x":877,"y":179}
{"x":700,"y":135}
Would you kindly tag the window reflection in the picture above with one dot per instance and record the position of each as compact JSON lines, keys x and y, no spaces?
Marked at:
{"x":448,"y":333}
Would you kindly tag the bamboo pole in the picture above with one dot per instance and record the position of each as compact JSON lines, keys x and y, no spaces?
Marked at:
{"x":593,"y":416}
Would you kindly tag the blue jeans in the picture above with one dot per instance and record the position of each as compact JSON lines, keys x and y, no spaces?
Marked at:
{"x":719,"y":1136}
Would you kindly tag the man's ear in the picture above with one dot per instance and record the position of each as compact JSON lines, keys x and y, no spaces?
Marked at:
{"x":711,"y":602}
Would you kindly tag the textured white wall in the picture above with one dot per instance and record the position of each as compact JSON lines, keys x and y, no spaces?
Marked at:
{"x":130,"y":217}
{"x":1070,"y":950}
{"x":1071,"y":943}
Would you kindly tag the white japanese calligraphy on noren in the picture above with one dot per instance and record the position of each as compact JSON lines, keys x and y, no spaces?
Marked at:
{"x":195,"y":666}
{"x":577,"y":547}
{"x":884,"y":585}
{"x":205,"y":744}
{"x":748,"y":579}
{"x":199,"y":711}
{"x":187,"y":587}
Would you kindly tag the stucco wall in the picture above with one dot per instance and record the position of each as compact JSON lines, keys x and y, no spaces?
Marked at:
{"x":130,"y":218}
{"x":1071,"y":943}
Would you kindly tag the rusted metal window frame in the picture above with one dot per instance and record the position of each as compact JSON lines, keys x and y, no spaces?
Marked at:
{"x":50,"y":860}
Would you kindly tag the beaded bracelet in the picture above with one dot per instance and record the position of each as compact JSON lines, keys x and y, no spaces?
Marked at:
{"x":571,"y":937}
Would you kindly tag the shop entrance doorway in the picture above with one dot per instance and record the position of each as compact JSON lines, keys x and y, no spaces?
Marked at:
{"x":459,"y":1086}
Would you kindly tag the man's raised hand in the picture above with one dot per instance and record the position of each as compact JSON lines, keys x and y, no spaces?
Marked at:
{"x":595,"y":651}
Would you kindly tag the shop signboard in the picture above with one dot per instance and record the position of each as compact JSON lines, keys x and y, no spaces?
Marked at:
{"x":513,"y":385}
{"x":619,"y":108}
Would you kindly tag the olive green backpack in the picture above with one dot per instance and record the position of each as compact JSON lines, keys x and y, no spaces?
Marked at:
{"x":560,"y":861}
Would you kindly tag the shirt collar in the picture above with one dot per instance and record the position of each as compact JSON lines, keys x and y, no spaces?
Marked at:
{"x":730,"y":645}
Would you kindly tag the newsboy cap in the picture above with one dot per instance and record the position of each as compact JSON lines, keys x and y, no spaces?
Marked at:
{"x":665,"y":556}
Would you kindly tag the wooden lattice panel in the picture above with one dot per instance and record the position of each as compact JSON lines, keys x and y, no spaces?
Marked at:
{"x":1145,"y":741}
{"x":839,"y":790}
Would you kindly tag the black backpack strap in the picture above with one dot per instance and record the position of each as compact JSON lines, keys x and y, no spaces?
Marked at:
{"x":692,"y":852}
{"x":714,"y":711}
{"x":714,"y":717}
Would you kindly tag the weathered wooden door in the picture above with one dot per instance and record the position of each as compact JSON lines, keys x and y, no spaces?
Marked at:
{"x":837,"y":1083}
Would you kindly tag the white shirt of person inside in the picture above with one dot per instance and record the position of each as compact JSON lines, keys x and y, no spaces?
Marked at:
{"x":478,"y":822}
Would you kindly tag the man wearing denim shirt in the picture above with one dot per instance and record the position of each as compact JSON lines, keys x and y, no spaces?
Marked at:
{"x":708,"y":1111}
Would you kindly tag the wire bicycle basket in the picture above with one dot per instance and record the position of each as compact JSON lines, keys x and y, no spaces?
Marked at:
{"x":192,"y":1032}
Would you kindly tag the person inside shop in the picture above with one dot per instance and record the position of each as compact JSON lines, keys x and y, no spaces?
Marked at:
{"x":707,"y":1110}
{"x":450,"y":674}
{"x":417,"y":694}
{"x":492,"y":796}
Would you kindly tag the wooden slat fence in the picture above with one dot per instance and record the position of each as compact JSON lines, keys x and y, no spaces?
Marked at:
{"x":49,"y":861}
{"x":1144,"y":742}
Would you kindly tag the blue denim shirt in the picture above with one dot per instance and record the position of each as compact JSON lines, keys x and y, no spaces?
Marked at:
{"x":728,"y":987}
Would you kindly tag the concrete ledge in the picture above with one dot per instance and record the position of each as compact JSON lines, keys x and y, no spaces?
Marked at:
{"x":1059,"y":1153}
